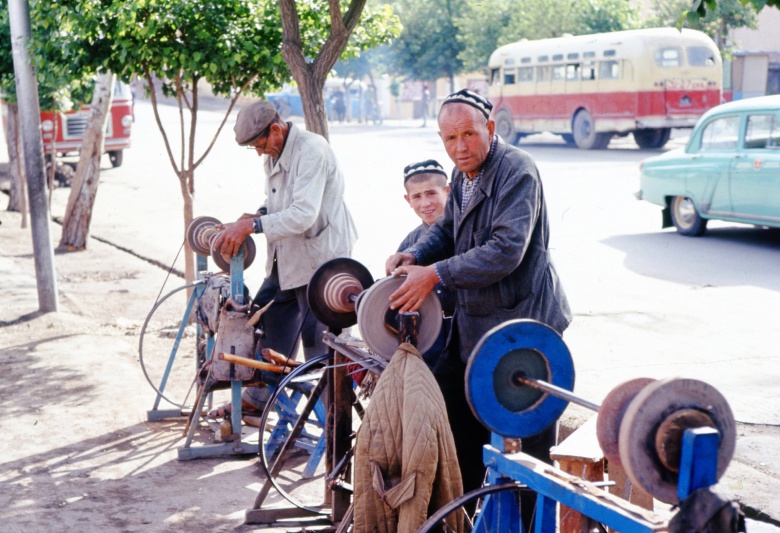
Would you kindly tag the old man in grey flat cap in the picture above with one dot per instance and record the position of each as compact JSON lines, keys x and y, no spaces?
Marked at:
{"x":304,"y":220}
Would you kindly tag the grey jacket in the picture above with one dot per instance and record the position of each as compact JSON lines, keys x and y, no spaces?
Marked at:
{"x":495,"y":254}
{"x":308,"y":222}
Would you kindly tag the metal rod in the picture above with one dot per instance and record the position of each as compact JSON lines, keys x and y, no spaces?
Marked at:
{"x":556,"y":391}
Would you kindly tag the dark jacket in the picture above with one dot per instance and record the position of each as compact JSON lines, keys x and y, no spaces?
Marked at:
{"x":495,"y":254}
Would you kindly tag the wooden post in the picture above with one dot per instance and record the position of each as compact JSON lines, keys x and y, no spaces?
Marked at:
{"x":579,"y":455}
{"x":342,"y":428}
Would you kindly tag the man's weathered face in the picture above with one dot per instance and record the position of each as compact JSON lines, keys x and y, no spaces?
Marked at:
{"x":466,"y":135}
{"x":427,"y":197}
{"x":271,"y":144}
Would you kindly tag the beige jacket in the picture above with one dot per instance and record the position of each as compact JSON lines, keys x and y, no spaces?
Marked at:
{"x":406,"y":467}
{"x":308,"y":222}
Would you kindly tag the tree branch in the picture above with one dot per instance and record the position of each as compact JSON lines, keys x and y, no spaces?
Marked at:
{"x":153,"y":96}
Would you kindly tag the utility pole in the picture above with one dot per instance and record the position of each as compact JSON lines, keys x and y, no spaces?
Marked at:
{"x":30,"y":122}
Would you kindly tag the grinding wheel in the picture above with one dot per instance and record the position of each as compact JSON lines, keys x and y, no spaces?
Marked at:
{"x":197,"y":234}
{"x":652,"y":426}
{"x":518,"y":348}
{"x":333,"y":288}
{"x":373,"y":306}
{"x":612,"y":411}
{"x":249,"y":248}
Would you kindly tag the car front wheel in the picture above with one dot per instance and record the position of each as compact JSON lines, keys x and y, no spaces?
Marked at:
{"x":686,"y":218}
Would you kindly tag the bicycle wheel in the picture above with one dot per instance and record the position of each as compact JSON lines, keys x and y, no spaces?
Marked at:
{"x":438,"y":521}
{"x":292,"y":457}
{"x":168,"y":347}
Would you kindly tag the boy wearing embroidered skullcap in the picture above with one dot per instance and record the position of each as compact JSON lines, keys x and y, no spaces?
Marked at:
{"x":426,"y":192}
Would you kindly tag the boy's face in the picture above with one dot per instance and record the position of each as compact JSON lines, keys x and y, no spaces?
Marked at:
{"x":427,"y":198}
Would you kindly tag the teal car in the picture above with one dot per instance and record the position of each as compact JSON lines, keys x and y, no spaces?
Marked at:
{"x":729,"y":170}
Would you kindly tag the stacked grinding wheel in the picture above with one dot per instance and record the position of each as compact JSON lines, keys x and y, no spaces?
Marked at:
{"x":201,"y":233}
{"x":518,"y":380}
{"x":342,"y":293}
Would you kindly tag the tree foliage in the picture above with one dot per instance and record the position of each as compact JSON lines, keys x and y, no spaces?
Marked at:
{"x":428,"y":47}
{"x":701,"y":8}
{"x":716,"y":22}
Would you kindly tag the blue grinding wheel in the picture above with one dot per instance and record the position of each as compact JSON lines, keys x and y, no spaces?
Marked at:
{"x":518,"y":347}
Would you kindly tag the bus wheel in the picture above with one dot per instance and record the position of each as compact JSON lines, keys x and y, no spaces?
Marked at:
{"x":652,"y":138}
{"x":686,"y":218}
{"x":506,"y":128}
{"x":585,"y":135}
{"x":116,"y":158}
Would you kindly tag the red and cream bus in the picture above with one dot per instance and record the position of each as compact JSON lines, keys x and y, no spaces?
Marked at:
{"x":589,"y":88}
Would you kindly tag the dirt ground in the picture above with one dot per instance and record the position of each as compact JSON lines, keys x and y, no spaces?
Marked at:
{"x":77,"y":451}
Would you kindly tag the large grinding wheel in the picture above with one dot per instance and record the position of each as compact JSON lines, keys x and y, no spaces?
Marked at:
{"x":333,"y":289}
{"x":375,"y":318}
{"x":518,"y":348}
{"x":651,"y":432}
{"x":612,"y":411}
{"x":200,"y":234}
{"x":250,"y":250}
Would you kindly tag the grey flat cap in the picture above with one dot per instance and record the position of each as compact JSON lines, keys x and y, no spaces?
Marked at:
{"x":253,"y":120}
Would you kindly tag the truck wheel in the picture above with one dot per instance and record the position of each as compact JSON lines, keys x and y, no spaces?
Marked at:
{"x":585,"y":135}
{"x":505,"y":127}
{"x":116,"y":158}
{"x":652,"y":138}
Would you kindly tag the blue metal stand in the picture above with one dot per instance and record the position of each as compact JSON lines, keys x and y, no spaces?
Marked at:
{"x":235,"y":446}
{"x":500,"y":512}
{"x":155,"y":413}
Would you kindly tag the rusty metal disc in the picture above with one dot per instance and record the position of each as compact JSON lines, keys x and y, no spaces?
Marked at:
{"x":372,"y":307}
{"x":648,"y":419}
{"x":334,"y":287}
{"x":250,"y":251}
{"x":518,"y":348}
{"x":611,"y":413}
{"x":197,"y":234}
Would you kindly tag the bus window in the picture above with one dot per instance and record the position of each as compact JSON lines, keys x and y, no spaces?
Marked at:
{"x":572,"y":71}
{"x":720,"y":134}
{"x":559,"y":72}
{"x":495,"y":76}
{"x":588,"y":70}
{"x":763,"y":131}
{"x":700,"y":56}
{"x":509,"y":77}
{"x":589,"y":55}
{"x":668,"y":57}
{"x":609,"y":70}
{"x":525,"y":74}
{"x":543,"y":73}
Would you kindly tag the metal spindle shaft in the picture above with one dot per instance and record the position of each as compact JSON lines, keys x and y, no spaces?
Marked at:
{"x":556,"y":391}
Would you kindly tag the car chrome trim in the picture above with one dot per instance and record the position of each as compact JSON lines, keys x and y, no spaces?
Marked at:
{"x":742,"y":216}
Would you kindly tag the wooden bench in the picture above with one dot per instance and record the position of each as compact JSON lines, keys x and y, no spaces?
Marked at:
{"x":580,"y":455}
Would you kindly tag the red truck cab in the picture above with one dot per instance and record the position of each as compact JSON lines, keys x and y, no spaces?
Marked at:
{"x":70,"y":127}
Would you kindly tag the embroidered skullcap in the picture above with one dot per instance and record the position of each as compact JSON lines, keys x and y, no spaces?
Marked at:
{"x":429,"y":166}
{"x":464,"y":96}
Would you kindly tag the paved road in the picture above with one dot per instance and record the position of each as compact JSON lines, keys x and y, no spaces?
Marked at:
{"x":647,"y":302}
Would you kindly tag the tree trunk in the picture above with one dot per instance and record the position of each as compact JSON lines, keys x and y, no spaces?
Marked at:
{"x":311,"y":76}
{"x":17,"y":200}
{"x":75,"y":228}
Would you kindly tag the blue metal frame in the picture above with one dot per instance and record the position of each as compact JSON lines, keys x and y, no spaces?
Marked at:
{"x":156,"y":414}
{"x":698,"y":469}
